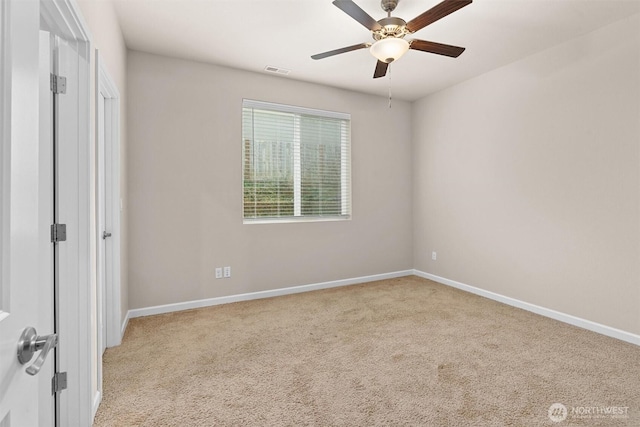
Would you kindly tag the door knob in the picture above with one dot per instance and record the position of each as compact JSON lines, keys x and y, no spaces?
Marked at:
{"x":29,"y":343}
{"x":105,"y":234}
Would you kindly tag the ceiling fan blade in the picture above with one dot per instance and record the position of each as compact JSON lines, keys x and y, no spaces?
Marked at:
{"x":354,"y":11}
{"x":381,"y":69}
{"x":439,"y":48}
{"x":437,"y":12}
{"x":341,"y":50}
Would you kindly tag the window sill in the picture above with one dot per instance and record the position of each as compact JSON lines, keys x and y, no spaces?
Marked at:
{"x":293,"y":220}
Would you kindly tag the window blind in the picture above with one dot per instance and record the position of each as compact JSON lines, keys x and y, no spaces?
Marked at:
{"x":296,"y":163}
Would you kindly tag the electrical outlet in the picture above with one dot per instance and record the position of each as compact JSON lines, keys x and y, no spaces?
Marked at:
{"x":434,"y":255}
{"x":227,"y":272}
{"x":218,"y":272}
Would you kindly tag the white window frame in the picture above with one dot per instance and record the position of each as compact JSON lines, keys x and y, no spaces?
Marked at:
{"x":345,"y":172}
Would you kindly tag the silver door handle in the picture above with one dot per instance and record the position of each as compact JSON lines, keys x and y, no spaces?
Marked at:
{"x":105,"y":234}
{"x":29,"y":343}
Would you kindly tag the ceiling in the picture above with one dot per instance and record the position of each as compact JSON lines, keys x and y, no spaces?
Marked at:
{"x":253,"y":34}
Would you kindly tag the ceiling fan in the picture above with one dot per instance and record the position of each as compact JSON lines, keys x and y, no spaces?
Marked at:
{"x":389,"y":32}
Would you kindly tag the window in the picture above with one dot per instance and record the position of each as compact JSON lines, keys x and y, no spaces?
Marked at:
{"x":296,"y":163}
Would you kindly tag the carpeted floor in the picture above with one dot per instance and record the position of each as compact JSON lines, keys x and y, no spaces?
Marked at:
{"x":400,"y":352}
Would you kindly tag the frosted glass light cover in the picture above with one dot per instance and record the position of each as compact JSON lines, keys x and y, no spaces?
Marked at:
{"x":389,"y":49}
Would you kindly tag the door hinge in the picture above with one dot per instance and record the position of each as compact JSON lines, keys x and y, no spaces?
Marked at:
{"x":58,"y":382}
{"x":58,"y":84}
{"x":58,"y":233}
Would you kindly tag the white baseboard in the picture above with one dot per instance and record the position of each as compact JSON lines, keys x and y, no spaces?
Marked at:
{"x":169,"y":308}
{"x":566,"y":318}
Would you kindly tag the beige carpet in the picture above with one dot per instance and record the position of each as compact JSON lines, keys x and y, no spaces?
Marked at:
{"x":401,"y":352}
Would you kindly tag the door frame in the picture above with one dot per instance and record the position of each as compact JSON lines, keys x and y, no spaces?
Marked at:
{"x":5,"y":135}
{"x":107,"y":212}
{"x":64,"y":18}
{"x":109,"y":90}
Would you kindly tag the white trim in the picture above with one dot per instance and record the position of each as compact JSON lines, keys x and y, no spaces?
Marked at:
{"x":107,"y":87}
{"x":5,"y":144}
{"x":189,"y":305}
{"x":547,"y":312}
{"x":566,"y":318}
{"x":63,"y":18}
{"x":295,"y":219}
{"x":108,"y":293}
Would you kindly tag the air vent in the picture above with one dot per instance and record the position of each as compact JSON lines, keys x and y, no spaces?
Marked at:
{"x":276,"y":70}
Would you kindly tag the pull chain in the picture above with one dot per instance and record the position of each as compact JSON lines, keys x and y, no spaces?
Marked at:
{"x":389,"y":74}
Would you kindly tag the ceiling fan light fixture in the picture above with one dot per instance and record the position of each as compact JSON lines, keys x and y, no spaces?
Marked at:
{"x":389,"y":49}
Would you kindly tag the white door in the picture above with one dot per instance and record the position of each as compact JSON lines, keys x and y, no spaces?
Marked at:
{"x":108,"y":207}
{"x":26,"y":254}
{"x":103,"y":234}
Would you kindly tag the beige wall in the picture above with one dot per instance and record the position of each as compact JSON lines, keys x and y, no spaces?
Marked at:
{"x":185,"y":187}
{"x":527,"y":179}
